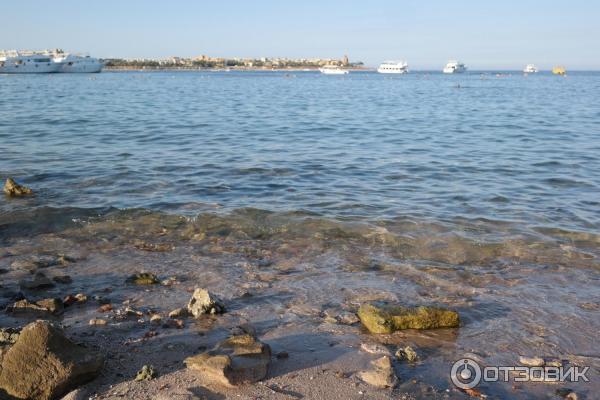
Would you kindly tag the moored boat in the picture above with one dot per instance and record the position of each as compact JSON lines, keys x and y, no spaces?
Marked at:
{"x":454,"y":67}
{"x":530,"y":69}
{"x":15,"y":62}
{"x":393,"y":67}
{"x":333,"y":70}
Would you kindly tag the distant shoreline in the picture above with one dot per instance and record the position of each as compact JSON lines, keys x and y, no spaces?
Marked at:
{"x":253,"y":69}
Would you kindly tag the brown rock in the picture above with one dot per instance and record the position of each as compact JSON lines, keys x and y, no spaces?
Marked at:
{"x":13,"y":189}
{"x":43,"y":364}
{"x":40,"y":308}
{"x":237,"y":360}
{"x":382,"y":375}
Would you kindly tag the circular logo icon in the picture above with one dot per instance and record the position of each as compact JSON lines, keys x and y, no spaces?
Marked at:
{"x":465,"y":373}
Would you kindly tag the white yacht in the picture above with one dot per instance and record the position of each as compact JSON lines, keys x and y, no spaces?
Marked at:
{"x":454,"y":67}
{"x":393,"y":67}
{"x":530,"y":69}
{"x":333,"y":70}
{"x":71,"y":63}
{"x":15,"y":62}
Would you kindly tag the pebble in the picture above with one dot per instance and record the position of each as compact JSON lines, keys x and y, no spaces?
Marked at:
{"x":97,"y":322}
{"x":282,"y":355}
{"x":155,"y":318}
{"x":407,"y":353}
{"x":531,"y":361}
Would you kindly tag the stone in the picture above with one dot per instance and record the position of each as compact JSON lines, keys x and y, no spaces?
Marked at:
{"x":155,"y":318}
{"x":384,"y":318}
{"x":39,"y":281}
{"x":147,"y":373}
{"x":282,"y":355}
{"x":237,"y":360}
{"x":347,"y":318}
{"x":97,"y":322}
{"x":407,"y":353}
{"x":179,"y":313}
{"x":104,"y":308}
{"x":39,"y":308}
{"x":204,"y":302}
{"x":382,"y":375}
{"x":375,"y":348}
{"x":531,"y":361}
{"x":44,"y":364}
{"x":13,"y":189}
{"x":174,"y":323}
{"x":34,"y":262}
{"x":63,"y":279}
{"x":143,"y":278}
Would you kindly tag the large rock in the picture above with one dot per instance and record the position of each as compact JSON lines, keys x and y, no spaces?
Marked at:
{"x":385,"y":318}
{"x":382,"y":375}
{"x":237,"y":360}
{"x":204,"y":302}
{"x":44,"y":364}
{"x":12,"y":188}
{"x":39,"y":281}
{"x":41,"y":308}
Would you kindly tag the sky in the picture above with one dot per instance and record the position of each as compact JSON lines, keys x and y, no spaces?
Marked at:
{"x":427,"y":33}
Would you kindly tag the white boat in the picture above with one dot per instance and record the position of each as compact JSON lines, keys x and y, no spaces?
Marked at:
{"x":333,"y":70}
{"x":530,"y":69}
{"x":15,"y":62}
{"x":71,"y":63}
{"x":454,"y":67}
{"x":393,"y":67}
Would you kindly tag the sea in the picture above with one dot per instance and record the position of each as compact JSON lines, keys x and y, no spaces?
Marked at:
{"x":478,"y":192}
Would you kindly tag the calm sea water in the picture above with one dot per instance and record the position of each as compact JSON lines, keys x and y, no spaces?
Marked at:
{"x":511,"y":148}
{"x":293,"y":194}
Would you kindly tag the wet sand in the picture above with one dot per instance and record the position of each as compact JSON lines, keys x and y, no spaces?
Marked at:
{"x":518,"y":292}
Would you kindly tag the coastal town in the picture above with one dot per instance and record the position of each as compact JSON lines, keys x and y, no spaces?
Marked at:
{"x":204,"y":61}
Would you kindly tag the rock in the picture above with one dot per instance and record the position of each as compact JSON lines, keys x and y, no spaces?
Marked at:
{"x":64,"y":279}
{"x":282,"y":355}
{"x":237,"y":360}
{"x":174,"y":323}
{"x":13,"y":189}
{"x":97,"y":322}
{"x":143,"y":278}
{"x":43,"y":364}
{"x":382,"y":375}
{"x":155,"y":318}
{"x":204,"y":302}
{"x":39,"y":281}
{"x":147,"y":373}
{"x":8,"y":336}
{"x":384,"y":318}
{"x":531,"y":361}
{"x":347,"y":318}
{"x":153,"y":247}
{"x":34,"y":262}
{"x":375,"y":348}
{"x":77,"y":299}
{"x":39,"y":308}
{"x":407,"y":353}
{"x":104,"y":308}
{"x":179,"y":313}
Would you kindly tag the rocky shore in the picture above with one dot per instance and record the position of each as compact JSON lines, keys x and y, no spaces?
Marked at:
{"x":151,"y":306}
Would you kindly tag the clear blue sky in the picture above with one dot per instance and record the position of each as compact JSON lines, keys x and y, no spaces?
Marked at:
{"x":483,"y":34}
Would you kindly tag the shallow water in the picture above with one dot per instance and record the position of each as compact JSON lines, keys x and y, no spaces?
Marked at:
{"x":291,"y":194}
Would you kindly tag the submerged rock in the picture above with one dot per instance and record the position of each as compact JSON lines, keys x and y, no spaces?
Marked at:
{"x":407,"y":353}
{"x":143,"y":278}
{"x":179,"y":313}
{"x":204,"y":302}
{"x":44,"y":364}
{"x":389,"y":318}
{"x":39,"y":308}
{"x":147,"y":373}
{"x":382,"y":375}
{"x":237,"y":360}
{"x":13,"y":189}
{"x":39,"y":281}
{"x":375,"y":348}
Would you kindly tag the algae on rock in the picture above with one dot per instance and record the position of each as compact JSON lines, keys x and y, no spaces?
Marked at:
{"x":385,"y":318}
